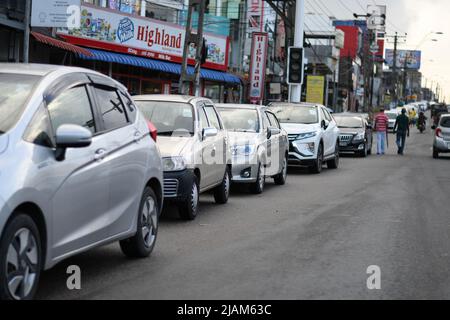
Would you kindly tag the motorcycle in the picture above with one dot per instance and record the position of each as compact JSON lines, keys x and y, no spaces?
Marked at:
{"x":421,"y":127}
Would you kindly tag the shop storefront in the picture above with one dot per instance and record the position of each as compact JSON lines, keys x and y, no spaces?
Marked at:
{"x":145,"y":54}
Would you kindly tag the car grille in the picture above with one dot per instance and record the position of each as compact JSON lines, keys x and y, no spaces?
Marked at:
{"x":170,"y":187}
{"x":346,"y":137}
{"x":292,"y":137}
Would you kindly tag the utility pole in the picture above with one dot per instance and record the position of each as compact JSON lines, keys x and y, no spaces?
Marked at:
{"x":295,"y":90}
{"x":394,"y":66}
{"x":26,"y":34}
{"x":187,"y":79}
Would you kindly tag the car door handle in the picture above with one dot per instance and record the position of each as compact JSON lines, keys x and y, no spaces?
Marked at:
{"x":137,"y":136}
{"x":213,"y":151}
{"x":99,"y":154}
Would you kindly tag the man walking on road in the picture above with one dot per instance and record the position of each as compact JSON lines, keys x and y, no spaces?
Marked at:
{"x":381,"y":127}
{"x":402,"y":129}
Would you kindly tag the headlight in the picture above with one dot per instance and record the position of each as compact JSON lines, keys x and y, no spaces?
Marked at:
{"x":243,"y":150}
{"x":174,"y":164}
{"x":360,"y":136}
{"x":303,"y":136}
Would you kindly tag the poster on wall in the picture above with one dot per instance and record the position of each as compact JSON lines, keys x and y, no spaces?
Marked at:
{"x":315,"y":87}
{"x":260,"y":41}
{"x":110,"y":30}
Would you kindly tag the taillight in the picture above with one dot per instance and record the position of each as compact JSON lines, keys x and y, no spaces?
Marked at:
{"x":438,"y":132}
{"x":153,"y":130}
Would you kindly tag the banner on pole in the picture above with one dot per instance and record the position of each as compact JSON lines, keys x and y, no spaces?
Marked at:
{"x":260,"y":41}
{"x":315,"y":86}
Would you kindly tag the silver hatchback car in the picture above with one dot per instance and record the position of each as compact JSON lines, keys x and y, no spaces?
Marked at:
{"x":441,"y":142}
{"x":78,"y":169}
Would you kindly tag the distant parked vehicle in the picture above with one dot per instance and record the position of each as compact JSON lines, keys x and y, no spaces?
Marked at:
{"x":313,"y":135}
{"x":392,"y":115}
{"x":78,"y":169}
{"x":441,"y":142}
{"x":355,"y":134}
{"x":194,"y":147}
{"x":259,"y":147}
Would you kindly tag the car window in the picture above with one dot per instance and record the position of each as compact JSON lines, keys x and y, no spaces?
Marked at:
{"x":273,"y":120}
{"x":15,"y":90}
{"x":111,"y":108}
{"x":129,"y":107}
{"x":445,"y":122}
{"x":202,"y":118}
{"x":39,"y":130}
{"x":237,"y":119}
{"x":72,"y":106}
{"x":322,"y":111}
{"x":296,"y":114}
{"x":327,"y":115}
{"x":212,"y":117}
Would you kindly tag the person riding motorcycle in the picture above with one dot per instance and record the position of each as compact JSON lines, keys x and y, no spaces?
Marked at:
{"x":422,"y":122}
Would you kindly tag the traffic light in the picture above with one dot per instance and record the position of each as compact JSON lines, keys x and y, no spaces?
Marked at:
{"x":295,"y":65}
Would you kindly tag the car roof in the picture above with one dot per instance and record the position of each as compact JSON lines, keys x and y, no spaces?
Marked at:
{"x":168,"y":98}
{"x":239,"y":106}
{"x":37,"y":69}
{"x":292,"y":104}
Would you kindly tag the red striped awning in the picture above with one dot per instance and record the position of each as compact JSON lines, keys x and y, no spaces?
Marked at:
{"x":60,"y":44}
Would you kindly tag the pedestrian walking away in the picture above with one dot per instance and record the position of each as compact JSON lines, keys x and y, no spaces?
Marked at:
{"x":381,"y":127}
{"x":401,"y":128}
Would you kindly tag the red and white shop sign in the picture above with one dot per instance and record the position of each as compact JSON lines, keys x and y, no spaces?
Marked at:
{"x":255,"y":15}
{"x":260,"y":42}
{"x":110,"y":30}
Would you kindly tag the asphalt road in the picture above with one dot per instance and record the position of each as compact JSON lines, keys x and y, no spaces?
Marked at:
{"x":310,"y":239}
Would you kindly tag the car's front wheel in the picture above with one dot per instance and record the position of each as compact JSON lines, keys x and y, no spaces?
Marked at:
{"x":435,"y":153}
{"x":142,"y":243}
{"x":258,"y":186}
{"x":280,"y":179}
{"x":318,"y":164}
{"x":334,"y":163}
{"x":20,"y":259}
{"x":188,"y":208}
{"x":222,"y":191}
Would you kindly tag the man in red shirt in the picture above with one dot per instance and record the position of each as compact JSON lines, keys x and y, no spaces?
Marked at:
{"x":381,"y":127}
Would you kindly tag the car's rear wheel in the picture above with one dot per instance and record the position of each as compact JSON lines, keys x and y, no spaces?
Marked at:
{"x":142,"y":243}
{"x":318,"y":164}
{"x":222,"y":192}
{"x":20,"y":259}
{"x":258,"y":186}
{"x":280,"y":179}
{"x":188,"y":209}
{"x":435,"y":153}
{"x":334,"y":163}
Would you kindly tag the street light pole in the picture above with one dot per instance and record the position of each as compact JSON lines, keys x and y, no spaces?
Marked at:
{"x":26,"y":34}
{"x":295,"y":93}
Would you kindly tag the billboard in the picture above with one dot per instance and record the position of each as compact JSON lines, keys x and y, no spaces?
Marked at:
{"x":260,"y":42}
{"x":52,"y":13}
{"x":315,"y":87}
{"x":409,"y":58}
{"x":120,"y":32}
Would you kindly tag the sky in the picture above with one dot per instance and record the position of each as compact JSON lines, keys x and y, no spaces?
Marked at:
{"x":417,"y":18}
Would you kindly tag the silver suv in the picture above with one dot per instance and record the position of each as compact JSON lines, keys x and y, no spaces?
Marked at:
{"x":259,"y":147}
{"x":441,"y":142}
{"x":194,"y":147}
{"x":78,"y":169}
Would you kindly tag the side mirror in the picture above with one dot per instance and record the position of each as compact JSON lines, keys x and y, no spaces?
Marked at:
{"x":325,"y":124}
{"x":71,"y":136}
{"x":209,"y":132}
{"x":369,"y":126}
{"x":272,"y":131}
{"x":433,"y":127}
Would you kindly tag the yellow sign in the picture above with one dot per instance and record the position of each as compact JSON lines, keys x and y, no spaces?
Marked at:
{"x":315,"y":87}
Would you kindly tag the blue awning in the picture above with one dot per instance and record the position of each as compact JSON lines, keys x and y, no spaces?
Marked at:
{"x":158,"y":65}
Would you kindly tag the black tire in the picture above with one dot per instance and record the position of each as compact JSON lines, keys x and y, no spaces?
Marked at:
{"x":258,"y":186}
{"x":222,"y":191}
{"x":364,"y":153}
{"x":29,"y":260}
{"x":189,"y":208}
{"x":334,"y":163}
{"x":142,"y":243}
{"x":280,"y":179}
{"x":318,"y":165}
{"x":435,"y":153}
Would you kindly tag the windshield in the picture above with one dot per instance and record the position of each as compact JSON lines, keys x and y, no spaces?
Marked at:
{"x":243,"y":120}
{"x":15,"y":91}
{"x":304,"y":115}
{"x":169,"y":117}
{"x":391,"y":116}
{"x":349,"y":122}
